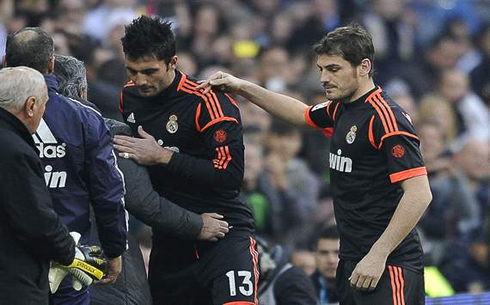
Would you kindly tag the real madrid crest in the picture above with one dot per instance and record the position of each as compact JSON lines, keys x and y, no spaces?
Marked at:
{"x":351,"y":135}
{"x":172,"y":125}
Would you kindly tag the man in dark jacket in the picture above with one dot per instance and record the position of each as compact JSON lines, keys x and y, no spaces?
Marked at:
{"x":31,"y":233}
{"x":78,"y":160}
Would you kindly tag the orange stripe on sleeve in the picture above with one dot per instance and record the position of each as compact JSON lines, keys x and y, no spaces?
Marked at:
{"x":393,"y":285}
{"x":216,"y":100}
{"x":385,"y":112}
{"x":232,"y":100}
{"x":308,"y":117}
{"x":328,"y":108}
{"x":209,"y":104}
{"x":182,"y":81}
{"x":190,"y":91}
{"x":371,"y":134}
{"x":198,"y":113}
{"x":217,"y":121}
{"x":223,"y":157}
{"x":380,"y":99}
{"x":402,"y":285}
{"x":335,"y":111}
{"x":213,"y":97}
{"x":240,"y":303}
{"x":328,"y":132}
{"x":409,"y":173}
{"x":228,"y":157}
{"x":373,"y":94}
{"x":381,"y":116}
{"x":217,"y":161}
{"x":403,"y":133}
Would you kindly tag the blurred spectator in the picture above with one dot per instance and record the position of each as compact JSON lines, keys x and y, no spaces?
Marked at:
{"x":464,"y":266}
{"x":305,"y":260}
{"x":266,"y":201}
{"x":393,"y":36}
{"x":438,"y":109}
{"x":459,"y":31}
{"x":480,"y":78}
{"x":472,"y":116}
{"x":423,"y":74}
{"x":101,"y":19}
{"x":454,"y":212}
{"x":291,"y":176}
{"x":327,"y":260}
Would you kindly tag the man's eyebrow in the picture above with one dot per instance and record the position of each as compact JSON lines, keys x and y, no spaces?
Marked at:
{"x":328,"y":66}
{"x":149,"y":70}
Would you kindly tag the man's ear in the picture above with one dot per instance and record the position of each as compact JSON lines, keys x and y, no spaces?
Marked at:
{"x":29,"y":106}
{"x":51,"y":65}
{"x":173,"y":62}
{"x":365,"y":67}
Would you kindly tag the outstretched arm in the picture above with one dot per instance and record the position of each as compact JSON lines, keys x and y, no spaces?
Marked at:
{"x":282,"y":106}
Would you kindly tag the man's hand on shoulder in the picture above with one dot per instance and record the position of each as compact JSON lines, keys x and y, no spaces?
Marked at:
{"x":224,"y":81}
{"x":144,"y":150}
{"x":213,"y":228}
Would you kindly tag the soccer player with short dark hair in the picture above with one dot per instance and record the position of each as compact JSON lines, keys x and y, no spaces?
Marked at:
{"x":379,"y":181}
{"x":192,"y":143}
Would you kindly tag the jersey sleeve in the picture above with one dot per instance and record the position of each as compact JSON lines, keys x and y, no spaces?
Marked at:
{"x":218,"y":122}
{"x":105,"y":184}
{"x":391,"y":131}
{"x":321,"y":116}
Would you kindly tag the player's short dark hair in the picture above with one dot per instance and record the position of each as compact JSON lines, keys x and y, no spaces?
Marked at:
{"x":353,"y":43}
{"x":329,"y":232}
{"x":30,"y":47}
{"x":149,"y":36}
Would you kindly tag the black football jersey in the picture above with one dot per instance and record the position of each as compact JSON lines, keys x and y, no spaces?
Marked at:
{"x":205,"y":132}
{"x":373,"y":147}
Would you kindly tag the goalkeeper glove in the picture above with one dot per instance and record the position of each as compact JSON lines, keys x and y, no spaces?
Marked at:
{"x":90,"y":260}
{"x":88,"y":265}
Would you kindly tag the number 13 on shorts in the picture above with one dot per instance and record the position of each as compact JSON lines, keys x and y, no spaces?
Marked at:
{"x":246,"y":287}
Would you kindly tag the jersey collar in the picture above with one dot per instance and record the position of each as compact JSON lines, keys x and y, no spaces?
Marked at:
{"x":360,"y":101}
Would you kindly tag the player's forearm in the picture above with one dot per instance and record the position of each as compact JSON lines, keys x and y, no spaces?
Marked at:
{"x":413,"y":204}
{"x":203,"y":171}
{"x":285,"y":107}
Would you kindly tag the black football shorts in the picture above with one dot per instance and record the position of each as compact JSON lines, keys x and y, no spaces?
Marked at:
{"x":206,"y":273}
{"x":397,"y":286}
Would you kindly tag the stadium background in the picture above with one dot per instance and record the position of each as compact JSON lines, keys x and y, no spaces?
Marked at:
{"x":433,"y":58}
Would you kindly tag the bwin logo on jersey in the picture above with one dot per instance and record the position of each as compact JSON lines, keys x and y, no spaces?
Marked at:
{"x":54,"y":179}
{"x":46,"y":143}
{"x":340,"y":163}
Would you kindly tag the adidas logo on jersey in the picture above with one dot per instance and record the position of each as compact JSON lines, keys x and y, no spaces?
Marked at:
{"x":131,"y":118}
{"x":340,"y":163}
{"x":46,"y":143}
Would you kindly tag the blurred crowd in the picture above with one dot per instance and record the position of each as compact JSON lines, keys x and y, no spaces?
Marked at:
{"x":432,"y":57}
